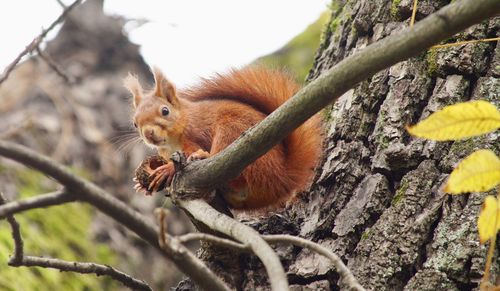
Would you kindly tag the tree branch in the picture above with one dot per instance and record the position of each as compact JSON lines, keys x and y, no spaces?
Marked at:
{"x":206,"y":214}
{"x":63,"y":6}
{"x":54,"y":66}
{"x":224,"y":242}
{"x":88,"y":192}
{"x":40,"y":201}
{"x":36,"y":41}
{"x":162,"y":214}
{"x":229,"y":163}
{"x":83,"y":268}
{"x":345,"y":274}
{"x":16,"y":235}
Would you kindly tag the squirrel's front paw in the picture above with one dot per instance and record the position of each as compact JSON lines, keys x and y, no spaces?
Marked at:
{"x":198,"y":155}
{"x":161,"y":177}
{"x":149,"y":171}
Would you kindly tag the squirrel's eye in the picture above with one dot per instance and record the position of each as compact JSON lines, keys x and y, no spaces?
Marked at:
{"x":135,"y":125}
{"x":165,"y":111}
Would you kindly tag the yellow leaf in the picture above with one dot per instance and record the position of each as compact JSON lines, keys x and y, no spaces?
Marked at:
{"x":488,"y":222}
{"x":458,"y":121}
{"x":478,"y":172}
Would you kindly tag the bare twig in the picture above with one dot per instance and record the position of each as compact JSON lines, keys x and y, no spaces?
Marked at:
{"x":63,"y":6}
{"x":39,"y":201}
{"x":165,"y":240}
{"x":162,"y":235}
{"x":345,"y":274}
{"x":88,"y":192}
{"x":16,"y":235}
{"x":413,"y":13}
{"x":36,"y":41}
{"x":29,"y":48}
{"x":412,"y":21}
{"x":465,"y":42}
{"x":224,"y":242}
{"x":83,"y":268}
{"x":54,"y":66}
{"x":206,"y":214}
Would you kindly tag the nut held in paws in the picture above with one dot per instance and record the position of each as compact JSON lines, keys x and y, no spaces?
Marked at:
{"x":146,"y":168}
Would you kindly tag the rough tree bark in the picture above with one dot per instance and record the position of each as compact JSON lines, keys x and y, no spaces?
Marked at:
{"x":376,"y":200}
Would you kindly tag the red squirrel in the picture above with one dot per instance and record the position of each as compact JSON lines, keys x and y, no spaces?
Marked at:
{"x":204,"y":119}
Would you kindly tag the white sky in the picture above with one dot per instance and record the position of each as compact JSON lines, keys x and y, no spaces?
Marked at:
{"x":185,"y":38}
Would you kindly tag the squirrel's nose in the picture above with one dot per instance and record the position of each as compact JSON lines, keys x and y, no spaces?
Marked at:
{"x":149,"y":134}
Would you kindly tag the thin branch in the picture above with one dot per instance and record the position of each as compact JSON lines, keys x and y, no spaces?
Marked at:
{"x":88,"y":192}
{"x":63,"y":6}
{"x":413,"y":13}
{"x":16,"y":235}
{"x":39,"y":201}
{"x":83,"y":268}
{"x":465,"y":42}
{"x":229,"y":163}
{"x":54,"y":66}
{"x":223,"y":242}
{"x":206,"y":214}
{"x":36,"y":41}
{"x":345,"y":274}
{"x":165,"y":240}
{"x":162,"y":235}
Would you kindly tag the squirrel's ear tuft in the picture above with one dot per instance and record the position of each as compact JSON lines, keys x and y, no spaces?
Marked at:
{"x":132,"y":84}
{"x":164,"y":88}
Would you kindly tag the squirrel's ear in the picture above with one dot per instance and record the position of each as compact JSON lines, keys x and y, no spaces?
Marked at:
{"x":132,"y":84}
{"x":164,"y":88}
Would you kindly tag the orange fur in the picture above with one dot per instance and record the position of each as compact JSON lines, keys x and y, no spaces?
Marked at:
{"x":211,"y":115}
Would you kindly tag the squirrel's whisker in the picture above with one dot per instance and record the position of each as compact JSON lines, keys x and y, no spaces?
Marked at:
{"x":125,"y":141}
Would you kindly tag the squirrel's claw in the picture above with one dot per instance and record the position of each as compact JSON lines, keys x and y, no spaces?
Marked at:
{"x":139,"y":188}
{"x":162,"y":174}
{"x":198,"y":155}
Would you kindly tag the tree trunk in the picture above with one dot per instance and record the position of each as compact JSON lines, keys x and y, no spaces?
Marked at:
{"x":376,"y":200}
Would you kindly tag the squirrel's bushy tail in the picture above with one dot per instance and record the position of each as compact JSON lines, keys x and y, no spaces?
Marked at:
{"x":266,"y":90}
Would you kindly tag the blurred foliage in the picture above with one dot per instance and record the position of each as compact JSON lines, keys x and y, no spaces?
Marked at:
{"x":59,"y":232}
{"x":297,"y":55}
